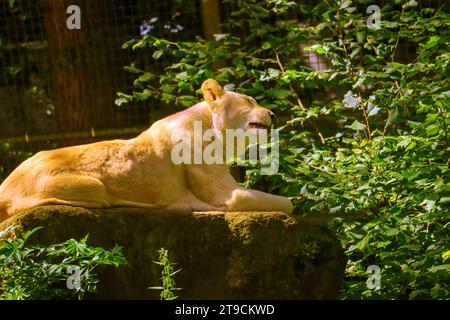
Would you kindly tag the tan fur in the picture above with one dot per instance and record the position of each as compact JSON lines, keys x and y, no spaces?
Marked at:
{"x":139,"y":172}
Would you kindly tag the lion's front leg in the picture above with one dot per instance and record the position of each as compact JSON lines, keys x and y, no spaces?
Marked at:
{"x":254,"y":200}
{"x":214,"y":185}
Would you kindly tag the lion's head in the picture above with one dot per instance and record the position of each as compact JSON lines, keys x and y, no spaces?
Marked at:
{"x":234,"y":110}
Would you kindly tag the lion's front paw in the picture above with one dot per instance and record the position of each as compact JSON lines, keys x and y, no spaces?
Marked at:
{"x":252,"y":200}
{"x":281,"y":204}
{"x":287,"y":206}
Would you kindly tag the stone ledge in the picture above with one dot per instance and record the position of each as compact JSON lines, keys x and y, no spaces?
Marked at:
{"x":236,"y":255}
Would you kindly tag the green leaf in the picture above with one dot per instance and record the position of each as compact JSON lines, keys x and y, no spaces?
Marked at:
{"x":404,"y":143}
{"x":345,"y":4}
{"x":372,"y":109}
{"x":182,"y":76}
{"x":391,"y":118}
{"x":411,"y":3}
{"x":186,"y":101}
{"x":446,"y":255}
{"x":158,"y":54}
{"x":357,"y":126}
{"x":391,"y":232}
{"x":443,"y":267}
{"x":383,"y":244}
{"x":147,"y":76}
{"x":122,"y":98}
{"x":434,"y":40}
{"x":141,"y":96}
{"x":129,"y":43}
{"x":229,"y":87}
{"x":132,"y":69}
{"x":27,"y":234}
{"x":219,"y":37}
{"x":279,"y":93}
{"x":317,"y":48}
{"x":350,"y":101}
{"x":266,"y":45}
{"x":444,"y":200}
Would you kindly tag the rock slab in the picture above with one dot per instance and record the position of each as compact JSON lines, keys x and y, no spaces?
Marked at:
{"x":236,"y":255}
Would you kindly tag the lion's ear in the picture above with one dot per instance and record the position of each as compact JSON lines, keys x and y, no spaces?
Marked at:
{"x":212,"y":90}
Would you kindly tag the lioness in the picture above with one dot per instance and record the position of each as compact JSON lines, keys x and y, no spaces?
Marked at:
{"x":139,"y":172}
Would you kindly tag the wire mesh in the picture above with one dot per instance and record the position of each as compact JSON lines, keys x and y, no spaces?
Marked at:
{"x":55,"y":79}
{"x":58,"y":86}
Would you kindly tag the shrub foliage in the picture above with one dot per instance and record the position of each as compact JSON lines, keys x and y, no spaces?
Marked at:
{"x":366,"y":136}
{"x":35,"y":272}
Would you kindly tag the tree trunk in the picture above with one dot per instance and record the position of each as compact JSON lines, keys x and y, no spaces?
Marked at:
{"x":81,"y":88}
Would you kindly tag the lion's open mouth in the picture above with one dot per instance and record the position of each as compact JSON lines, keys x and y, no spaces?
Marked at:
{"x":257,"y":125}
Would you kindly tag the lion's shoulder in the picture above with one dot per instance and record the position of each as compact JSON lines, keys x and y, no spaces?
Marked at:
{"x":183,"y":119}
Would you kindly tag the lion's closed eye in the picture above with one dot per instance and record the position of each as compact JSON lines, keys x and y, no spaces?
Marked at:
{"x":250,"y":100}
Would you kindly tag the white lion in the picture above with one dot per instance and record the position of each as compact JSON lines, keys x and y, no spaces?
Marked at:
{"x":139,"y":172}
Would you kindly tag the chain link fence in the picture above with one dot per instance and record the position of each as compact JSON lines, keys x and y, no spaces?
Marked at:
{"x":58,"y":86}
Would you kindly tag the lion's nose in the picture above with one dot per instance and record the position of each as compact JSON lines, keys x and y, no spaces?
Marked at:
{"x":272,"y":115}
